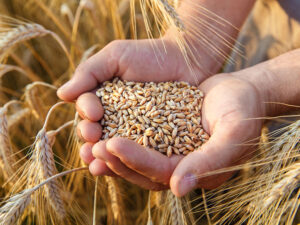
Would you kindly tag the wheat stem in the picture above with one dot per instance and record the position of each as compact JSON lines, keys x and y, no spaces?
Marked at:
{"x":32,"y":99}
{"x":50,"y":112}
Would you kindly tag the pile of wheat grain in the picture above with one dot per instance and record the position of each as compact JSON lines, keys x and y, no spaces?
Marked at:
{"x":164,"y":116}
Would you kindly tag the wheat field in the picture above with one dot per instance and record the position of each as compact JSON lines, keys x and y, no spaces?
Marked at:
{"x":42,"y":178}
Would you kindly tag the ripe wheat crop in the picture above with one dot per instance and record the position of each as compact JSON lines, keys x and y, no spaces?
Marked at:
{"x":42,"y":178}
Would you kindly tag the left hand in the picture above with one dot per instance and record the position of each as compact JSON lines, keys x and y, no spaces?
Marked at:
{"x":231,"y":114}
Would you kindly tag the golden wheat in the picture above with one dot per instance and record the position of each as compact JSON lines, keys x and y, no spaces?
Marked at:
{"x":19,"y":34}
{"x":266,"y":193}
{"x":43,"y":155}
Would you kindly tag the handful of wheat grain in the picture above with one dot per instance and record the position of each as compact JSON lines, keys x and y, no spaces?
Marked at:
{"x":164,"y":116}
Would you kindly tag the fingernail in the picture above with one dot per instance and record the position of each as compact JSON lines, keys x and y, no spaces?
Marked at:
{"x":187,"y":184}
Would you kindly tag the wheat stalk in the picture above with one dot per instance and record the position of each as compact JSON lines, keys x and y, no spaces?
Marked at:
{"x":32,"y":99}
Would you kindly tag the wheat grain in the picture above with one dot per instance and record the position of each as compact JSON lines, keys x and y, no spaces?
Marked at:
{"x":168,"y":122}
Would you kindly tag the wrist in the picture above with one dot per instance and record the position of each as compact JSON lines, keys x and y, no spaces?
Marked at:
{"x":258,"y":80}
{"x":276,"y":81}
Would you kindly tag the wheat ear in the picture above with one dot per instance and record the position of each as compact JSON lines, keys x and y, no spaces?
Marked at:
{"x":175,"y":208}
{"x":14,"y":207}
{"x":285,"y":186}
{"x":149,"y":221}
{"x":19,"y":34}
{"x":159,"y":198}
{"x":46,"y":166}
{"x":10,"y":37}
{"x":113,"y":192}
{"x":5,"y":144}
{"x":7,"y":158}
{"x":173,"y":14}
{"x":43,"y":159}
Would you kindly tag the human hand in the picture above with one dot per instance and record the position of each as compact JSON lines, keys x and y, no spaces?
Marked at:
{"x":230,"y":113}
{"x":130,"y":60}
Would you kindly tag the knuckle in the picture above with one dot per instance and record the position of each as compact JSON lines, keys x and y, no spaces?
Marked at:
{"x":115,"y":44}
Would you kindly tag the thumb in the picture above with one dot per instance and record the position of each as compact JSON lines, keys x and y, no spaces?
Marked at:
{"x":192,"y":171}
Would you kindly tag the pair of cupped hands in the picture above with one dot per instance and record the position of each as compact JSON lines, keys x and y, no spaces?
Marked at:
{"x":228,"y":113}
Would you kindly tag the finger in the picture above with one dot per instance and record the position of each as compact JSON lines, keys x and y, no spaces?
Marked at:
{"x":89,"y":107}
{"x":145,"y":161}
{"x":97,"y":69}
{"x":99,"y":168}
{"x":86,"y":153}
{"x":221,"y":151}
{"x":89,"y":131}
{"x":114,"y":163}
